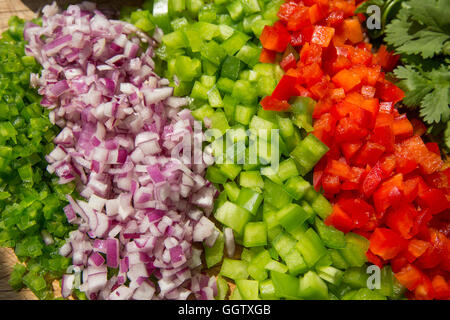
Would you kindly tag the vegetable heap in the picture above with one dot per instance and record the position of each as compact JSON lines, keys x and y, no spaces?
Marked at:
{"x":385,"y":183}
{"x":273,"y":212}
{"x":142,"y":207}
{"x":419,"y":32}
{"x":31,"y":201}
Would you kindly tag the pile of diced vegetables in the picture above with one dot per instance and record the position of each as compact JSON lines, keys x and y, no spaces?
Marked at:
{"x":308,"y":173}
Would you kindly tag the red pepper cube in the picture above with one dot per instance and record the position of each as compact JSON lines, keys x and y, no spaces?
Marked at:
{"x":359,"y":210}
{"x":346,"y":79}
{"x":335,"y":18}
{"x":288,"y":62}
{"x":409,"y":276}
{"x":369,"y":154}
{"x":299,"y":19}
{"x":267,"y":56}
{"x":296,"y":39}
{"x":352,"y":30}
{"x":275,"y":38}
{"x":388,"y":194}
{"x":270,"y":103}
{"x":322,"y":36}
{"x":388,"y":91}
{"x":285,"y":89}
{"x":402,"y":127}
{"x":311,"y":53}
{"x":372,"y":181}
{"x":386,"y":243}
{"x":286,"y":10}
{"x":402,"y":220}
{"x":340,"y":220}
{"x":317,"y":12}
{"x":435,"y":200}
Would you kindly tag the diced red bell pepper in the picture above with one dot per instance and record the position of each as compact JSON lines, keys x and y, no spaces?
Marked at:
{"x":285,"y":88}
{"x":297,"y":39}
{"x":311,"y":74}
{"x":373,"y":258}
{"x":415,"y":149}
{"x":288,"y":62}
{"x":384,"y":136}
{"x":275,"y":38}
{"x":349,"y":149}
{"x":386,"y":243}
{"x":368,"y":92}
{"x":339,"y":169}
{"x":317,"y":12}
{"x":346,"y":79}
{"x":435,"y":200}
{"x":372,"y":181}
{"x":433,"y":147}
{"x":402,"y":219}
{"x":335,"y":18}
{"x":440,"y":287}
{"x":353,"y":30}
{"x":410,"y":189}
{"x":311,"y":53}
{"x":359,"y":210}
{"x":419,"y":128}
{"x":286,"y":10}
{"x":424,"y":291}
{"x":388,"y":194}
{"x":416,"y":248}
{"x":299,"y":19}
{"x":270,"y":103}
{"x":348,"y":130}
{"x":322,"y":36}
{"x":340,"y":220}
{"x":388,"y":164}
{"x":387,"y":60}
{"x":369,"y":154}
{"x":388,"y":91}
{"x":409,"y":276}
{"x":267,"y":56}
{"x":330,"y":184}
{"x":402,"y":127}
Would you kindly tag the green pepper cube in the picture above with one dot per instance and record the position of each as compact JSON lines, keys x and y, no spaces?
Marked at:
{"x":256,"y":267}
{"x":275,"y":194}
{"x":234,"y":43}
{"x":213,"y":52}
{"x":295,"y":262}
{"x":355,"y":249}
{"x":249,"y":199}
{"x":312,"y":287}
{"x":234,"y":269}
{"x":232,"y":190}
{"x":249,"y":54}
{"x":233,"y":216}
{"x":337,"y":260}
{"x":321,"y":206}
{"x":244,"y":92}
{"x":187,"y":68}
{"x":243,"y":114}
{"x":255,"y":234}
{"x":286,"y":286}
{"x":219,"y":121}
{"x":251,"y":179}
{"x":160,"y":14}
{"x":355,"y":277}
{"x":226,"y":86}
{"x":296,"y":187}
{"x":215,"y":175}
{"x":202,"y":112}
{"x":270,"y":173}
{"x":192,"y":35}
{"x":308,"y":152}
{"x":225,"y":32}
{"x":230,"y":170}
{"x":367,"y":294}
{"x":283,"y":243}
{"x":230,"y":68}
{"x":249,"y":289}
{"x":236,"y":10}
{"x":331,"y":237}
{"x":267,"y":290}
{"x":276,"y":266}
{"x":291,"y":216}
{"x":175,"y":40}
{"x":311,"y":247}
{"x":214,"y":254}
{"x":287,"y":169}
{"x":330,"y":274}
{"x":229,"y":107}
{"x":222,"y":288}
{"x":214,"y":98}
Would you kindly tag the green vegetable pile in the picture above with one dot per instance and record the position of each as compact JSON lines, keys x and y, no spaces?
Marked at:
{"x":212,"y":55}
{"x":420,"y":32}
{"x":31,"y":201}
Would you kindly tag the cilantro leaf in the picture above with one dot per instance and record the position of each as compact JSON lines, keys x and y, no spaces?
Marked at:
{"x":421,"y":27}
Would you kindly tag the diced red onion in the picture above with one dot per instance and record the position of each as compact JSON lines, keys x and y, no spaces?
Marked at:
{"x":120,"y":126}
